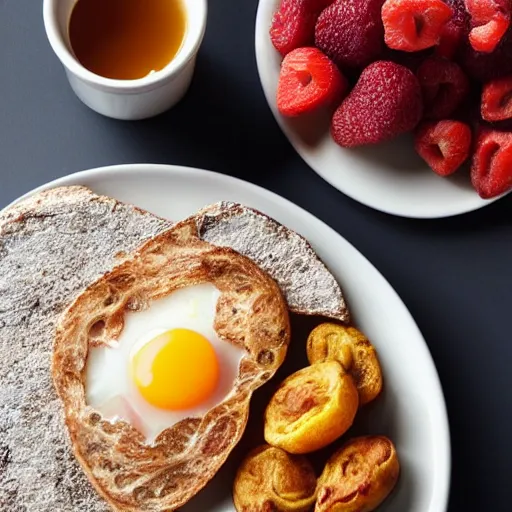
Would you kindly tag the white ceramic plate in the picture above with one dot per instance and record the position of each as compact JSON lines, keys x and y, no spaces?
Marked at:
{"x":389,"y":177}
{"x":411,"y":410}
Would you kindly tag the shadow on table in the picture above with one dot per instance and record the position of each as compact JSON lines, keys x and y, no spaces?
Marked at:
{"x":229,"y":127}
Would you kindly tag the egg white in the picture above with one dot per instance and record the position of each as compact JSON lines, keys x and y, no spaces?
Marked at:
{"x":109,"y":387}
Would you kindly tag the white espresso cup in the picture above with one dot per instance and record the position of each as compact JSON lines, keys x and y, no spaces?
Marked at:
{"x":127,"y":99}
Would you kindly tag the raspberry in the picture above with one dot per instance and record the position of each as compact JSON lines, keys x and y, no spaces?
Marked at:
{"x":490,"y":20}
{"x":497,"y":100}
{"x":385,"y":102}
{"x":412,"y":25}
{"x":491,"y":169}
{"x":350,"y":32}
{"x":455,"y":31}
{"x":444,"y":86}
{"x":485,"y":67}
{"x":444,"y":145}
{"x":308,"y":80}
{"x":293,"y":24}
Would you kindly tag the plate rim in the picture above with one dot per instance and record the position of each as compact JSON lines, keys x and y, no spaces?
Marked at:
{"x":441,"y":487}
{"x":447,"y":213}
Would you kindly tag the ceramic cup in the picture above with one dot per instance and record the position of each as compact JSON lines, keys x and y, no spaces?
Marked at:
{"x":127,"y":99}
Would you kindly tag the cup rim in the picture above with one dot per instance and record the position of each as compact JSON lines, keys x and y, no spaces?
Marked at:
{"x":146,"y":83}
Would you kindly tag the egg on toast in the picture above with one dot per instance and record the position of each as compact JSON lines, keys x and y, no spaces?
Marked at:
{"x":132,"y":472}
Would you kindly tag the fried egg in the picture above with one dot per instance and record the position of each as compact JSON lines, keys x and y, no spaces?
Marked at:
{"x":167,"y":365}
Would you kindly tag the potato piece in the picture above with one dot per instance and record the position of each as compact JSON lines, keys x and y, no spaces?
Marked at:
{"x":311,"y":408}
{"x":269,"y":479}
{"x":353,"y":351}
{"x":359,"y":476}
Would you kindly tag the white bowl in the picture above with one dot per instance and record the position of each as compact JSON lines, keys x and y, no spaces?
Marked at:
{"x":389,"y":177}
{"x":127,"y":99}
{"x":411,"y":410}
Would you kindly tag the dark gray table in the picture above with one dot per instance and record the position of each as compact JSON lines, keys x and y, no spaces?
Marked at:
{"x":455,"y":275}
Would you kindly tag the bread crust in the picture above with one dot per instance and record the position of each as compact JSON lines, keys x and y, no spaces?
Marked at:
{"x":52,"y":245}
{"x":251,"y":313}
{"x":306,"y":282}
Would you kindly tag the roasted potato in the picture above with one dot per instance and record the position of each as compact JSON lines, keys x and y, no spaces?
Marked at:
{"x":353,"y":351}
{"x":269,"y":479}
{"x":359,"y":476}
{"x":311,"y":408}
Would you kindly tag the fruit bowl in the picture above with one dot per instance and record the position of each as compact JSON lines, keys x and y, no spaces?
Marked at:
{"x":389,"y":177}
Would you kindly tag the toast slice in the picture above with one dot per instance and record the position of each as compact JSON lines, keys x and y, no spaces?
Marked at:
{"x":251,"y":313}
{"x":52,"y":245}
{"x":307,"y":284}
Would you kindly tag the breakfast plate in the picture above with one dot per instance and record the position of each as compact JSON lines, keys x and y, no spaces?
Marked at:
{"x":389,"y":177}
{"x":411,"y":410}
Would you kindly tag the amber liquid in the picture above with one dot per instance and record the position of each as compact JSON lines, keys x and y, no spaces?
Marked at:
{"x":126,"y":39}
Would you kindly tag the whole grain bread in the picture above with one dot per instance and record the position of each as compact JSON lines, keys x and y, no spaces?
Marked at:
{"x":309,"y":287}
{"x":130,"y":473}
{"x":52,"y":246}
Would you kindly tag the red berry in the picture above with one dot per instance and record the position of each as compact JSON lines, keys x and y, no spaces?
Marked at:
{"x":444,"y":145}
{"x":444,"y":86}
{"x":385,"y":102}
{"x":497,"y":100}
{"x":412,"y":25}
{"x":293,"y":24}
{"x":485,"y":67}
{"x":491,"y":169}
{"x":308,"y":80}
{"x":455,"y":31}
{"x":350,"y":32}
{"x":490,"y":20}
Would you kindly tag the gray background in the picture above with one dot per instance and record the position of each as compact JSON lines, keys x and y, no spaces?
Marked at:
{"x":455,"y":275}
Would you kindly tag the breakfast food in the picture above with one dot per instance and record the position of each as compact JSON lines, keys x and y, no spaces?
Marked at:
{"x":250,"y":314}
{"x":444,"y":86}
{"x":52,"y":245}
{"x":293,"y":24}
{"x":271,"y":479}
{"x":163,"y":331}
{"x":414,"y":25}
{"x":308,"y":80}
{"x":350,"y":32}
{"x":489,"y":21}
{"x":497,"y":100}
{"x":359,"y":476}
{"x":444,"y":145}
{"x":351,"y":348}
{"x":410,"y":62}
{"x":311,"y":408}
{"x":385,"y":102}
{"x":492,"y":163}
{"x":454,"y":32}
{"x":307,"y":284}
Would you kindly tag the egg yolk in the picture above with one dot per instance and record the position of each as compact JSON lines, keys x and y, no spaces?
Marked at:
{"x":176,"y":370}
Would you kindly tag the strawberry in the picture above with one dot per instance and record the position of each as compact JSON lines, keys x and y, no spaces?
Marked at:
{"x":490,"y":20}
{"x":413,"y":25}
{"x":350,"y":32}
{"x":308,"y":80}
{"x":444,"y":86}
{"x":491,"y":169}
{"x":497,"y":100}
{"x":385,"y":102}
{"x":293,"y":24}
{"x":444,"y":145}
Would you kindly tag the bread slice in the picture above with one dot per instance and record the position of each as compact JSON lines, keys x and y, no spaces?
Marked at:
{"x":252,"y":314}
{"x":52,"y":245}
{"x":309,"y":287}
